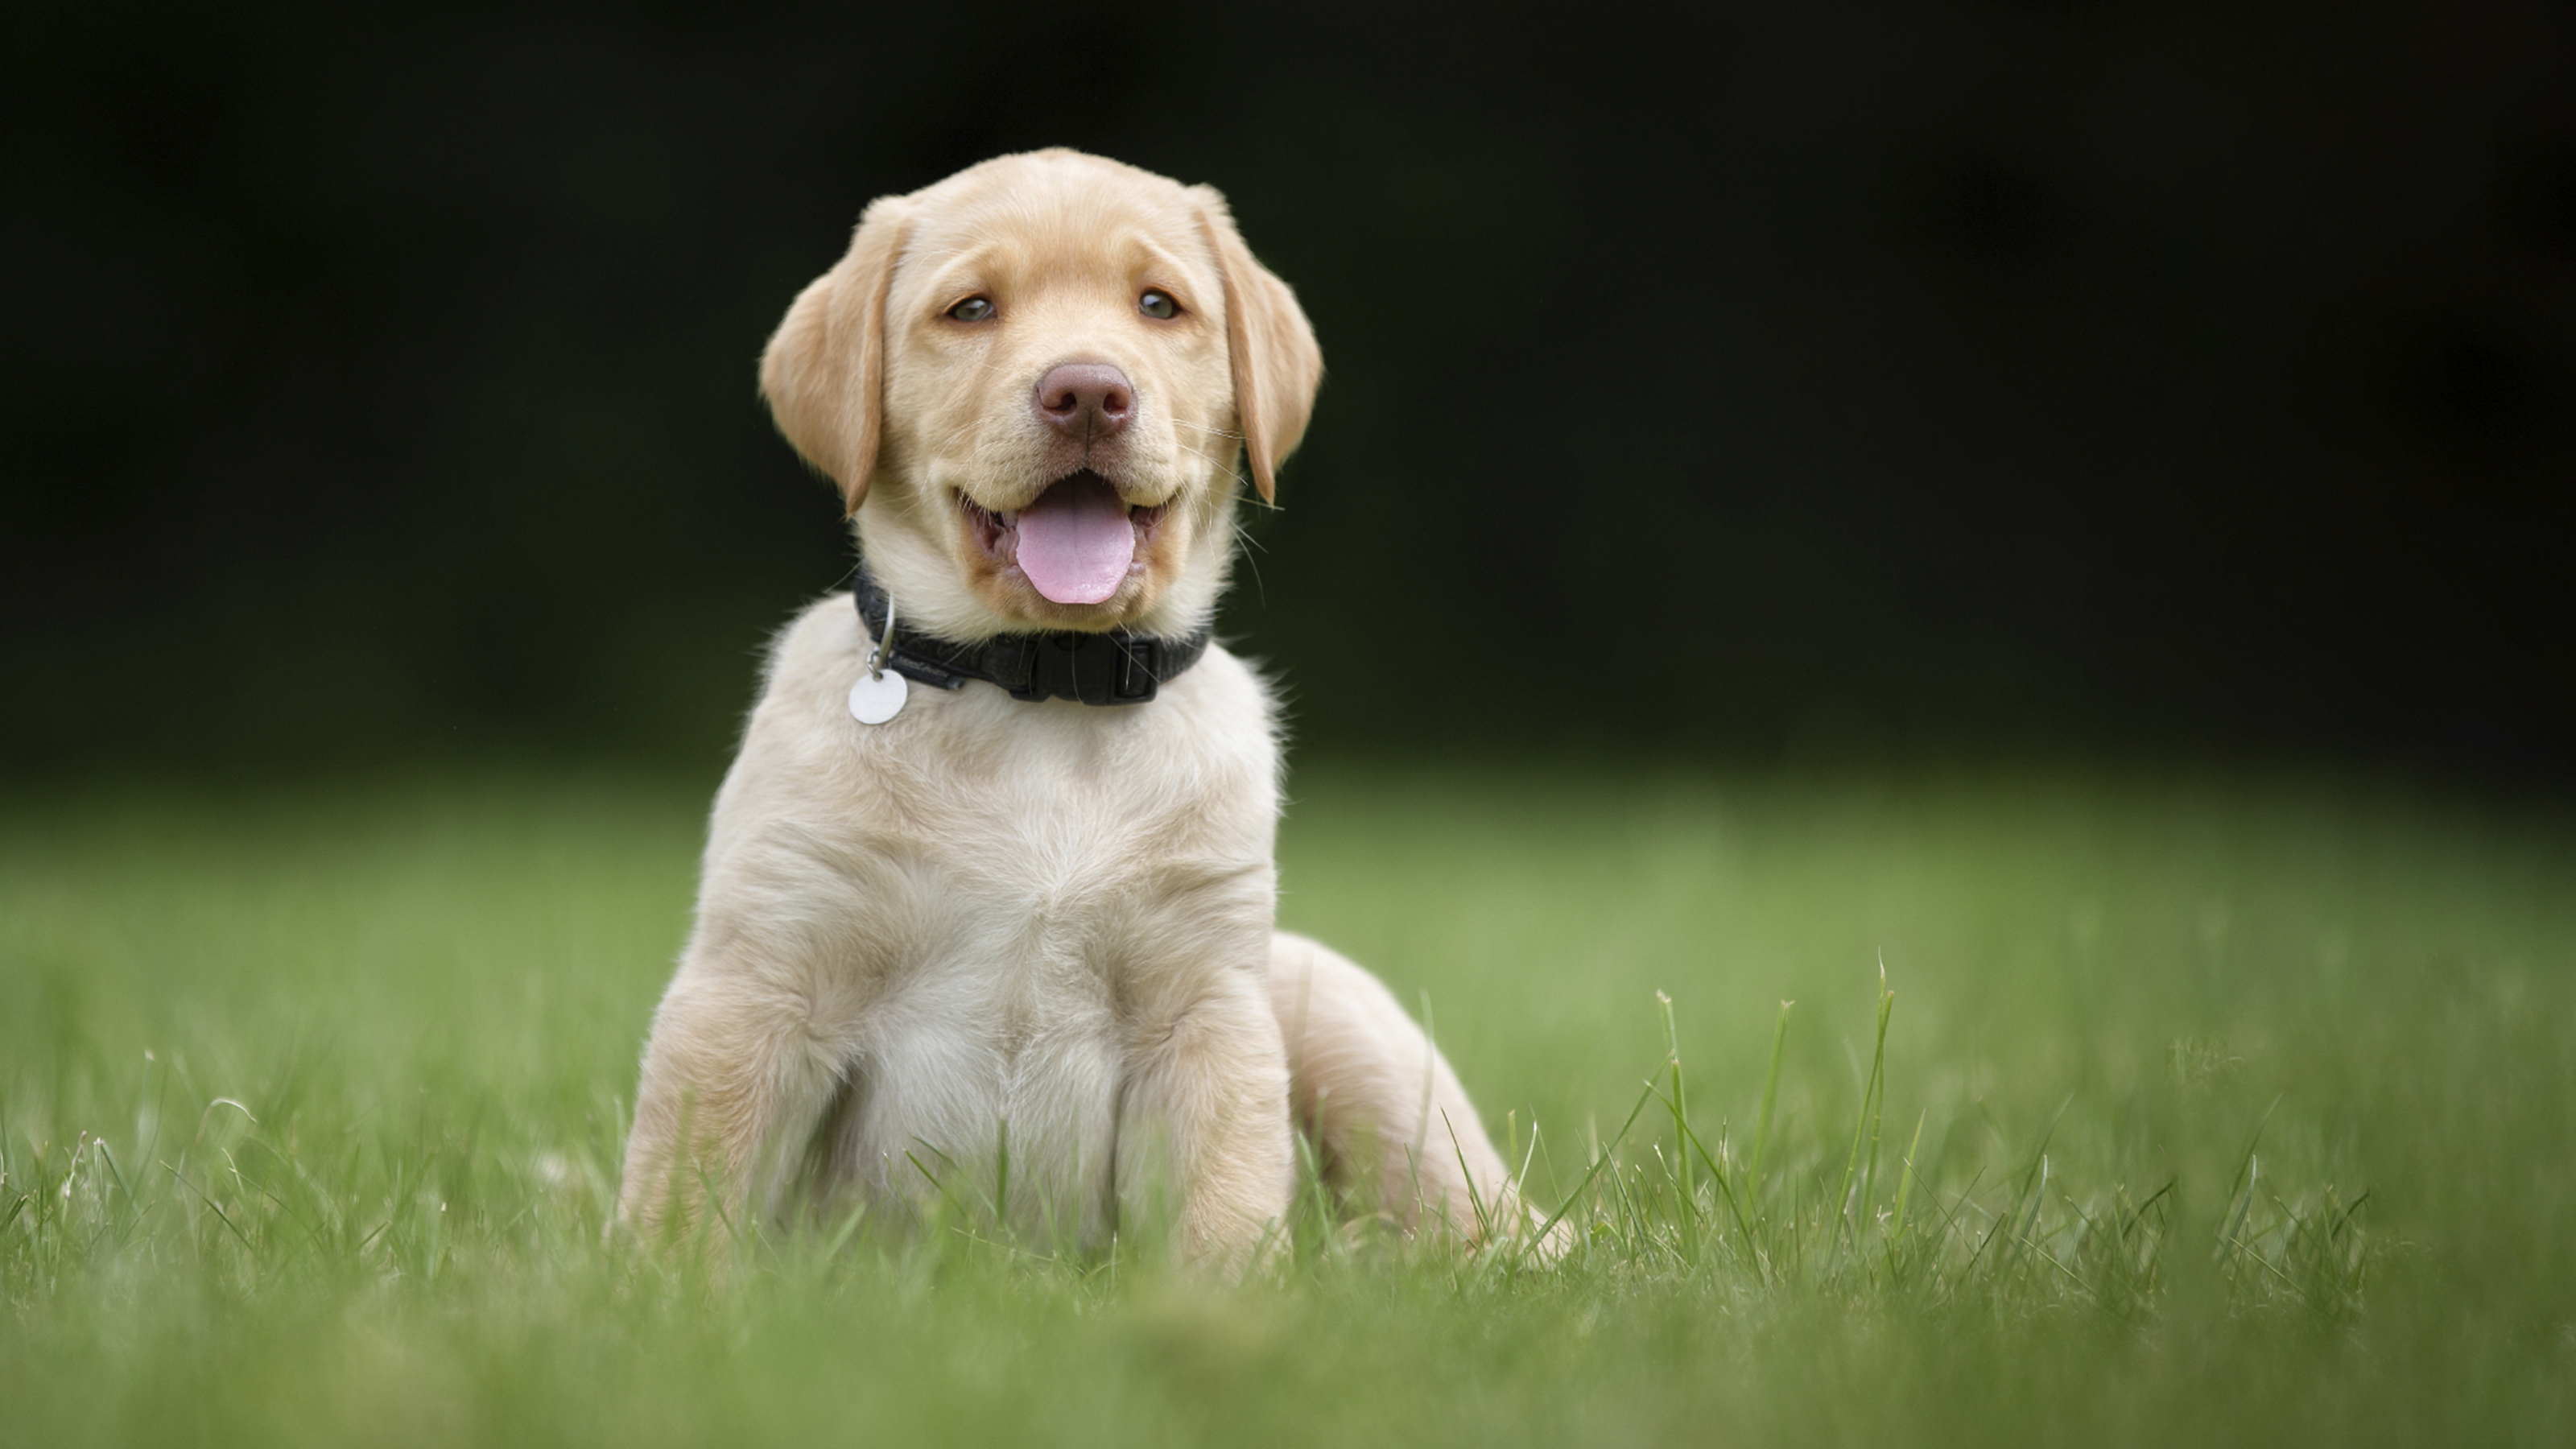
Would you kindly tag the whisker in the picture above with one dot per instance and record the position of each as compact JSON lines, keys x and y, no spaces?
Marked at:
{"x":1259,"y":589}
{"x":1239,"y":479}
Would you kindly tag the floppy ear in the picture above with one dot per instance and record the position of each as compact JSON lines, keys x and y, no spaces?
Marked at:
{"x":1276,"y":362}
{"x":824,"y":370}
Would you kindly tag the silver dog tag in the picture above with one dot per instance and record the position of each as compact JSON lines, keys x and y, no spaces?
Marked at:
{"x":878,"y":697}
{"x":880,"y":693}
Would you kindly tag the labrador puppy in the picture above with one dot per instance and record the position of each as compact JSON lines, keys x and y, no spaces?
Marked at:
{"x":986,"y":908}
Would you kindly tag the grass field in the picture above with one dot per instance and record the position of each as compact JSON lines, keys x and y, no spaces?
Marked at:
{"x":2206,"y":1109}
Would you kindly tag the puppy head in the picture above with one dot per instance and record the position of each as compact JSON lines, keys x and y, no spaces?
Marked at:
{"x":1040,"y":375}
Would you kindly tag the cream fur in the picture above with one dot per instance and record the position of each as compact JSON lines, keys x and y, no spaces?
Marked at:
{"x":1043,"y":924}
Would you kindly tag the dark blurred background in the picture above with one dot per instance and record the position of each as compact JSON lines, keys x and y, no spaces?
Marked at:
{"x":1806,"y":377}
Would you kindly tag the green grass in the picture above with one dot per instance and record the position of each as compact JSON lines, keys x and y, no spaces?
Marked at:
{"x":2202,"y":1109}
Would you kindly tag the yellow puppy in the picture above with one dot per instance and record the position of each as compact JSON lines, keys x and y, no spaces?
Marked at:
{"x":992,"y":873}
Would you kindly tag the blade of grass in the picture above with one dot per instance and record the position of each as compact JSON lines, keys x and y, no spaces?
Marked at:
{"x":1770,"y":1100}
{"x":1717,"y":1174}
{"x":1687,"y":1214}
{"x":1599,"y":1161}
{"x":1878,"y":1074}
{"x":1865,"y":1124}
{"x":1905,"y":1183}
{"x":1002,"y":1174}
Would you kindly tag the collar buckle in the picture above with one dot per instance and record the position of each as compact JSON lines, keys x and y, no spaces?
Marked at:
{"x":1068,"y":664}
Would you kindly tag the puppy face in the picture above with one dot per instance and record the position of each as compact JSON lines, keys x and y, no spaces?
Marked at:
{"x":1041,"y":376}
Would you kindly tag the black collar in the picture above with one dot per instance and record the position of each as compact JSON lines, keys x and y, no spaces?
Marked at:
{"x":1112,"y":668}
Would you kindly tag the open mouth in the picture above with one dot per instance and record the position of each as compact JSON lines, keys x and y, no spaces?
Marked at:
{"x":1076,"y":543}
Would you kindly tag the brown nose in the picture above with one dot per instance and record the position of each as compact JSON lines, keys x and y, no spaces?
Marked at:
{"x":1086,"y":399}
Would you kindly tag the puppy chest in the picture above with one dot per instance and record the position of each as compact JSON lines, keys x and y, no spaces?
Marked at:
{"x":1010,"y":1029}
{"x":1060,"y":887}
{"x":960,"y":1087}
{"x":1020,"y":958}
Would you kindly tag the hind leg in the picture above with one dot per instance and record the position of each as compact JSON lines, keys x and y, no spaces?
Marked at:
{"x":1387,"y":1115}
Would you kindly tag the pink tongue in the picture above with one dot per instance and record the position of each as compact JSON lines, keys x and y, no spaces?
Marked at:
{"x":1076,"y":542}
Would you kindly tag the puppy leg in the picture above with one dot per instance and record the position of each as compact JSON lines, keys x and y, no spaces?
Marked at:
{"x":1386,"y":1113}
{"x":1203,"y":1134}
{"x":734,"y":1083}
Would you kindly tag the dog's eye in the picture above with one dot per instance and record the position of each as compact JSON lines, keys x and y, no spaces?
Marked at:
{"x":973,"y":309}
{"x":1158,"y":304}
